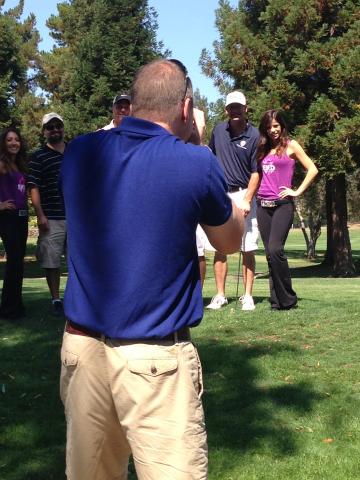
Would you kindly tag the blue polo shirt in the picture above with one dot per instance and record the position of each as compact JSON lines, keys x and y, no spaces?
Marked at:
{"x":237,"y":155}
{"x":133,"y":198}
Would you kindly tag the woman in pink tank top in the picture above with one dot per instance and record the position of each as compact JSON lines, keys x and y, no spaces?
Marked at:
{"x":277,"y":155}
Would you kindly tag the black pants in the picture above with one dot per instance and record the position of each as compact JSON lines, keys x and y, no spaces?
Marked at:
{"x":13,"y":232}
{"x":274,"y":225}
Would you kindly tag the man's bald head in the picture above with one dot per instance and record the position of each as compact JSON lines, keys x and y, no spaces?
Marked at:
{"x":159,"y":90}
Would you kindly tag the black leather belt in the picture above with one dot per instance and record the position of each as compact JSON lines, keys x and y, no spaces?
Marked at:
{"x":234,"y":188}
{"x":272,"y":203}
{"x":182,"y":335}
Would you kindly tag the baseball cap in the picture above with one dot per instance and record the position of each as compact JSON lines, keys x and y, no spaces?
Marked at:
{"x":235,"y":97}
{"x":118,"y":98}
{"x":50,"y":116}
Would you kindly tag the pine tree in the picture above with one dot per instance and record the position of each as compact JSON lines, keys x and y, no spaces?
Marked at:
{"x":100,"y":44}
{"x":18,"y":52}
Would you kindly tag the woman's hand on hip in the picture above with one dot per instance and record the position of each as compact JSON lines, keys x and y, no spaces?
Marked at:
{"x":7,"y":205}
{"x":287,"y":192}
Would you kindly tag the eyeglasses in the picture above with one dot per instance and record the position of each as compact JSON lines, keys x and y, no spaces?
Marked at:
{"x":54,"y":126}
{"x":185,"y":72}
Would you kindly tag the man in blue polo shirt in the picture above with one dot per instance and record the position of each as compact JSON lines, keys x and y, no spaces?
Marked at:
{"x":234,"y":142}
{"x":131,"y":378}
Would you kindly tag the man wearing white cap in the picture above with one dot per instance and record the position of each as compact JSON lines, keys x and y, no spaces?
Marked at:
{"x":120,"y":109}
{"x":234,"y":142}
{"x":44,"y":170}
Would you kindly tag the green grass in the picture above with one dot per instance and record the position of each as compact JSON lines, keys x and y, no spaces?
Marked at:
{"x":282,"y":389}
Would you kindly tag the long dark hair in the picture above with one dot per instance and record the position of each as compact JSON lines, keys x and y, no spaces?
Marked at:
{"x":21,"y":159}
{"x":264,"y":145}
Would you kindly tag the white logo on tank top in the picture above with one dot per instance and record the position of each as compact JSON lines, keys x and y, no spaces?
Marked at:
{"x":21,"y":185}
{"x":268,"y":168}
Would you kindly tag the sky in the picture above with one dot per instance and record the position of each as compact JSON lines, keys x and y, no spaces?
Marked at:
{"x":185,"y":28}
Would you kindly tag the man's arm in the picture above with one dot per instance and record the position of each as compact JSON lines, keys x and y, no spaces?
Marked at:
{"x":226,"y":238}
{"x":250,"y":192}
{"x":42,"y":220}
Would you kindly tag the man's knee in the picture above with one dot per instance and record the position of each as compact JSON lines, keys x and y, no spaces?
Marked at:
{"x":249,"y":259}
{"x":220,"y":257}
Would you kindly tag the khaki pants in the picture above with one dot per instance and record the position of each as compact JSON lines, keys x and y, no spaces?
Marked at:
{"x":125,"y":398}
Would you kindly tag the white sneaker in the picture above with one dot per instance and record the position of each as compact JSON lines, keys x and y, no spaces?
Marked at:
{"x":247,"y":303}
{"x":217,"y":302}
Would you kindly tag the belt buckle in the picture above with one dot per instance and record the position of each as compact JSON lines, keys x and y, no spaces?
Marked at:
{"x":268,"y":203}
{"x":22,"y":213}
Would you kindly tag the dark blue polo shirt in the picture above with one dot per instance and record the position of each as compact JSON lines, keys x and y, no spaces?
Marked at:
{"x":237,"y":155}
{"x":133,"y":198}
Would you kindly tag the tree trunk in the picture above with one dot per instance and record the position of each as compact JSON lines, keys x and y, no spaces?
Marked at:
{"x":315,"y":232}
{"x":338,"y":254}
{"x":302,"y":226}
{"x":329,"y":254}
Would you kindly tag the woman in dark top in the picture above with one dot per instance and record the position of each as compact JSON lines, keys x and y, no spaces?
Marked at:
{"x":277,"y":155}
{"x":13,"y":220}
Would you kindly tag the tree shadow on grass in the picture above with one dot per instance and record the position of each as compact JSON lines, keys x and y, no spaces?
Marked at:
{"x":242,"y":413}
{"x":32,"y":422}
{"x":32,"y":268}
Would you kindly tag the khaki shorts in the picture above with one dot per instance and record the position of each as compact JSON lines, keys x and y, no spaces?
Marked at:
{"x":51,"y":244}
{"x":250,"y":238}
{"x":140,"y":398}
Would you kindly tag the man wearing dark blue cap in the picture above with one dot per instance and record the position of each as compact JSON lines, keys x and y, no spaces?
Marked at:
{"x":120,"y":109}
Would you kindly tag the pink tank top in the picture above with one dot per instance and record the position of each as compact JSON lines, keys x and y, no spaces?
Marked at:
{"x":277,"y":171}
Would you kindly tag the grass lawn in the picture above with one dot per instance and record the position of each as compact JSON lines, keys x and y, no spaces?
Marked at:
{"x":282,"y":389}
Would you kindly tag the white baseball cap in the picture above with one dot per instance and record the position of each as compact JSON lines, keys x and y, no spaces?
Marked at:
{"x":235,"y":97}
{"x":50,"y":116}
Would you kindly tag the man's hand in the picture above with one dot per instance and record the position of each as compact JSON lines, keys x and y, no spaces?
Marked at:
{"x":198,"y":133}
{"x":7,"y":205}
{"x":245,"y":207}
{"x":43,"y":223}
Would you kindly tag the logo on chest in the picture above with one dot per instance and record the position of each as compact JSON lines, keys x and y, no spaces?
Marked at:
{"x":241,"y":144}
{"x":268,"y":168}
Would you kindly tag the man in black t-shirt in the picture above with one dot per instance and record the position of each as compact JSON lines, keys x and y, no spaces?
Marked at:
{"x":43,"y":183}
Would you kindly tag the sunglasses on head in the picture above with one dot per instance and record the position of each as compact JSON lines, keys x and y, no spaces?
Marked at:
{"x":185,"y":72}
{"x":54,"y":126}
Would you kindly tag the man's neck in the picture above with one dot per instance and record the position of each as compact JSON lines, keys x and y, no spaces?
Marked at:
{"x":58,"y":147}
{"x":237,"y":127}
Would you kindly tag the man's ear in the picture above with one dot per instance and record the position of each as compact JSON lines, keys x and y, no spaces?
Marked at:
{"x":187,"y":109}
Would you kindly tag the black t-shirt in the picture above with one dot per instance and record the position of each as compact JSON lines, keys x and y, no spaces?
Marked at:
{"x":44,"y":171}
{"x":237,"y":155}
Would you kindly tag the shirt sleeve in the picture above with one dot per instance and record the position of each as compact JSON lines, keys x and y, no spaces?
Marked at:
{"x":35,"y":172}
{"x":254,"y":162}
{"x":212,"y":143}
{"x":217,"y":206}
